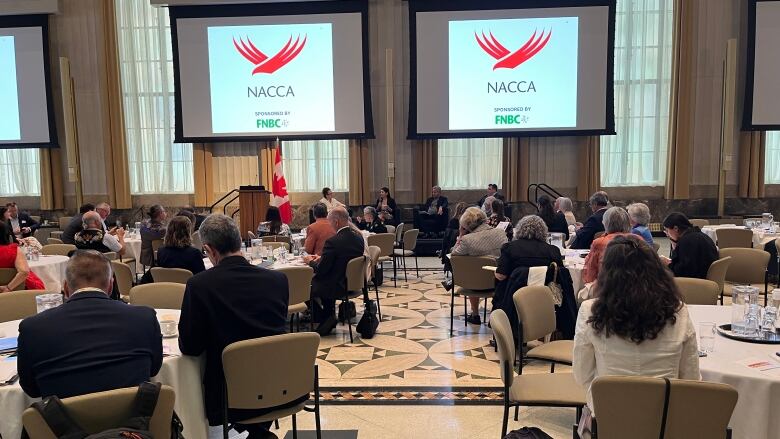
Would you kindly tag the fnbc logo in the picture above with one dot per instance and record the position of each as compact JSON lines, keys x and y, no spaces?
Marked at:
{"x":510,"y":60}
{"x":262,"y":61}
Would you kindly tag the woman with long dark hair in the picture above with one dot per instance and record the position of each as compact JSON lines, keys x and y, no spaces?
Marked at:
{"x":152,"y":230}
{"x":385,"y":205}
{"x":273,"y":224}
{"x":555,"y":221}
{"x":637,"y":324}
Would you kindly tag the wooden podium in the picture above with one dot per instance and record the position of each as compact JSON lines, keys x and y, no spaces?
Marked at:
{"x":253,"y":202}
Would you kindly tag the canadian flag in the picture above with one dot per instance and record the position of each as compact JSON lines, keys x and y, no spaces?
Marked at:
{"x":279,"y":190}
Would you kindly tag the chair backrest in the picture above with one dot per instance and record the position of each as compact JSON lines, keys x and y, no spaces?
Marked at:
{"x":656,"y":246}
{"x":356,"y":269}
{"x":700,"y":222}
{"x":731,"y":238}
{"x":373,"y":254}
{"x":288,"y":370}
{"x":124,"y":277}
{"x":196,"y":241}
{"x":156,"y":244}
{"x":57,"y":249}
{"x":7,"y":275}
{"x":399,"y":233}
{"x":536,"y":311}
{"x":747,"y":265}
{"x":384,"y":241}
{"x":505,"y":342}
{"x":717,"y":271}
{"x":111,"y":256}
{"x":64,"y":221}
{"x":101,"y":411}
{"x":298,"y":283}
{"x":16,"y":305}
{"x":54,"y":241}
{"x":41,"y":234}
{"x":57,"y":234}
{"x":467,"y":272}
{"x":410,"y":239}
{"x":276,"y":244}
{"x":36,"y":218}
{"x":159,"y":295}
{"x":698,"y":291}
{"x":633,"y":407}
{"x":390,"y":228}
{"x":175,"y":275}
{"x":276,"y":238}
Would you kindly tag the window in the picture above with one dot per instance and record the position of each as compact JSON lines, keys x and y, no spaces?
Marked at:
{"x":772,"y":159}
{"x":157,"y":165}
{"x":20,"y":173}
{"x":470,"y":163}
{"x":636,"y":156}
{"x":310,"y":165}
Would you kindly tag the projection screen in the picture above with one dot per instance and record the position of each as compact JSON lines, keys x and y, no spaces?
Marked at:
{"x":762,"y":95}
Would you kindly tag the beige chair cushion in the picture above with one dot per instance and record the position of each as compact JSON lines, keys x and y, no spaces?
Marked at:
{"x":460,"y":291}
{"x":547,"y":389}
{"x":298,"y":307}
{"x":399,"y":252}
{"x":560,"y":351}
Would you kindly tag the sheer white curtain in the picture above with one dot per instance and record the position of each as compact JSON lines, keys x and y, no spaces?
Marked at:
{"x":157,"y":165}
{"x":469,"y":163}
{"x":20,"y":172}
{"x":772,"y":172}
{"x":636,"y":156}
{"x":310,"y":165}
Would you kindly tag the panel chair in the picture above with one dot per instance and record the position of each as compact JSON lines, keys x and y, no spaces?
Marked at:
{"x":124,"y":278}
{"x":634,"y":407}
{"x":698,"y":291}
{"x":96,"y":412}
{"x":407,"y":249}
{"x":299,"y":288}
{"x":390,"y":228}
{"x":57,"y":249}
{"x":175,"y":275}
{"x":700,"y":222}
{"x":385,"y":243}
{"x":717,"y":273}
{"x":158,"y":295}
{"x":356,"y":283}
{"x":17,"y":305}
{"x":288,"y":373}
{"x":747,"y":267}
{"x":734,"y":238}
{"x":7,"y":275}
{"x":537,"y":389}
{"x":469,"y":279}
{"x":536,"y":312}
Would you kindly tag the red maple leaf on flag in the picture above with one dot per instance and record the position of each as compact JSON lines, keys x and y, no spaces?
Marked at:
{"x":281,"y":198}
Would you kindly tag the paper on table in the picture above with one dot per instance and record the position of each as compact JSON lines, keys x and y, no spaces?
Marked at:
{"x":503,"y":225}
{"x":7,"y":369}
{"x":764,"y":366}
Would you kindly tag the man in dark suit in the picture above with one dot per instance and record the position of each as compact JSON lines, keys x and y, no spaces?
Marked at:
{"x":231,"y":302}
{"x":492,"y":191}
{"x":21,"y":223}
{"x":330,"y":269}
{"x":76,"y":224}
{"x":594,"y":224}
{"x":91,"y":343}
{"x":433,"y":215}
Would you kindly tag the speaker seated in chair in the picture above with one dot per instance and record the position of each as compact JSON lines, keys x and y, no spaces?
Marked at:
{"x":432,"y":217}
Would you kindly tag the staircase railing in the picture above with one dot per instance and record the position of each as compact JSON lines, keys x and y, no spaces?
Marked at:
{"x":224,"y":208}
{"x":546,"y":190}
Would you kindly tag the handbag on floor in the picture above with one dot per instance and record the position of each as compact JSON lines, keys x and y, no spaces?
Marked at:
{"x":528,"y":433}
{"x":369,"y":322}
{"x":347,"y":311}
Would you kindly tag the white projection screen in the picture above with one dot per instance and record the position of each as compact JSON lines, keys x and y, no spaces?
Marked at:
{"x":496,"y":68}
{"x":27,"y":116}
{"x":762,"y":96}
{"x":292,"y":71}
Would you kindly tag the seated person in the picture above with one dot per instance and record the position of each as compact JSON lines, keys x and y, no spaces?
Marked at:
{"x":433,"y":215}
{"x":386,"y":206}
{"x":555,"y":221}
{"x":594,"y":223}
{"x":152,"y":230}
{"x":94,"y":237}
{"x":492,"y":191}
{"x":221,"y":307}
{"x":639,"y":214}
{"x":692,"y":251}
{"x":451,"y":234}
{"x":529,"y":248}
{"x":198,"y":217}
{"x":76,"y":224}
{"x":616,"y":223}
{"x":564,"y":205}
{"x":21,"y":223}
{"x":319,"y":231}
{"x":328,"y":200}
{"x":177,"y":250}
{"x":497,"y":217}
{"x":90,"y":343}
{"x":637,"y":325}
{"x":273,"y":224}
{"x":370,"y":221}
{"x":12,"y":256}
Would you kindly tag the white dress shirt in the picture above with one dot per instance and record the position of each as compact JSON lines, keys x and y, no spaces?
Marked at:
{"x":672,"y":354}
{"x":332,"y":204}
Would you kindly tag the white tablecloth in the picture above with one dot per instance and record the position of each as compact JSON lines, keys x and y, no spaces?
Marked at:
{"x":760,"y":237}
{"x":183,"y":373}
{"x":51,"y":270}
{"x":297,"y":262}
{"x":755,"y":416}
{"x":133,"y":251}
{"x":576,"y":264}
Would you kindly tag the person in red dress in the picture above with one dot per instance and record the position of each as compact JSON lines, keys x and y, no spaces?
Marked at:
{"x":11,"y":256}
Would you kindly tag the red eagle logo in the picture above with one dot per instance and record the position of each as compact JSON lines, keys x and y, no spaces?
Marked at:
{"x":510,"y":60}
{"x":262,"y":61}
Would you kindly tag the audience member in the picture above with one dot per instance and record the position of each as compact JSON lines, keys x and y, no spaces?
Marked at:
{"x":555,"y":221}
{"x":76,"y":224}
{"x":187,"y":214}
{"x":153,"y":229}
{"x":529,"y":248}
{"x":94,"y":237}
{"x":4,"y":217}
{"x":104,"y":209}
{"x":477,"y":238}
{"x":616,"y":223}
{"x":640,"y":217}
{"x":564,"y":205}
{"x":692,"y":251}
{"x":319,"y":231}
{"x":433,"y":215}
{"x":330,"y":269}
{"x":12,"y":256}
{"x":177,"y":250}
{"x":328,"y":200}
{"x":637,"y":324}
{"x":497,"y":217}
{"x":370,"y":221}
{"x":594,"y":223}
{"x":487,"y":206}
{"x":231,"y":302}
{"x":22,"y":225}
{"x":492,"y":191}
{"x":273,"y":224}
{"x":451,"y":235}
{"x":198,"y":217}
{"x":386,"y":206}
{"x":90,"y":343}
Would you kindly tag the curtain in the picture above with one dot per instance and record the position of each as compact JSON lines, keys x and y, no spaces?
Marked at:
{"x":425,"y":168}
{"x":772,"y":172}
{"x":52,"y":195}
{"x":266,"y":157}
{"x":515,"y":168}
{"x":469,"y":163}
{"x":20,"y":172}
{"x":588,"y":178}
{"x":310,"y":165}
{"x":156,"y":164}
{"x":636,"y":156}
{"x":202,"y":165}
{"x":752,"y":153}
{"x":359,"y":173}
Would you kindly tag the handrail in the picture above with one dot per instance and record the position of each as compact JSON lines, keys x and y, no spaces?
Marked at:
{"x":211,"y":209}
{"x":546,"y":189}
{"x":224,"y":208}
{"x":233,"y":215}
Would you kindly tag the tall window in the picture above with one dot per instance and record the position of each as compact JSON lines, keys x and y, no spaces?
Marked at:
{"x":310,"y":165}
{"x":157,"y":165}
{"x":772,"y":172}
{"x":469,"y":163}
{"x":20,"y":172}
{"x":636,"y":156}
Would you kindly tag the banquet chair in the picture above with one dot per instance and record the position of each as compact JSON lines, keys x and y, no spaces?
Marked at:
{"x":158,"y":295}
{"x":530,"y":390}
{"x":56,"y":234}
{"x":373,"y":259}
{"x":390,"y":228}
{"x":288,"y":373}
{"x":469,"y":279}
{"x":53,"y":241}
{"x":407,"y":249}
{"x":633,"y":407}
{"x":276,"y":238}
{"x":57,"y":249}
{"x":356,"y":283}
{"x":63,"y":222}
{"x":17,"y":305}
{"x":196,"y":241}
{"x":111,"y":256}
{"x":385,"y":243}
{"x":6,"y":275}
{"x":42,"y":234}
{"x":747,"y":267}
{"x":536,"y":314}
{"x":700,"y":222}
{"x":299,"y":288}
{"x":175,"y":275}
{"x":156,"y":244}
{"x":124,"y":278}
{"x":717,"y":273}
{"x":698,"y":291}
{"x":97,"y":412}
{"x":734,"y":238}
{"x":399,"y":235}
{"x":656,"y":246}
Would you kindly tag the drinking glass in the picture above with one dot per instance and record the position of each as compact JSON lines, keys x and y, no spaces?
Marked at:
{"x":47,"y":301}
{"x":707,"y":337}
{"x":168,"y":328}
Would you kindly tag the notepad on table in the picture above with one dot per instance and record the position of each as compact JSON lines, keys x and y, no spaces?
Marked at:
{"x":8,"y":344}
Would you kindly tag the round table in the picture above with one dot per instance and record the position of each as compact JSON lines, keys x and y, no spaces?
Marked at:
{"x":51,"y":270}
{"x":755,"y":415}
{"x":760,"y":237}
{"x":133,"y":251}
{"x":575,"y":263}
{"x":181,"y":372}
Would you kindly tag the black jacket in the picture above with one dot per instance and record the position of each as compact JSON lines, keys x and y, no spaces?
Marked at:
{"x":484,"y":197}
{"x":188,"y":258}
{"x":231,"y":302}
{"x":527,"y":253}
{"x":25,"y":220}
{"x":693,"y":255}
{"x":594,"y":224}
{"x":443,"y":203}
{"x":330,"y":271}
{"x":74,"y":226}
{"x":374,"y":227}
{"x":558,"y":225}
{"x":89,"y":344}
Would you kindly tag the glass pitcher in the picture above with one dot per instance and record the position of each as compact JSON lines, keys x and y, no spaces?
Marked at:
{"x":742,"y":297}
{"x":556,"y":239}
{"x":767,"y":220}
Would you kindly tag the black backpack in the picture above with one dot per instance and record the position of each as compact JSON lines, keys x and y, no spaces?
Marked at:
{"x":367,"y":325}
{"x":527,"y":433}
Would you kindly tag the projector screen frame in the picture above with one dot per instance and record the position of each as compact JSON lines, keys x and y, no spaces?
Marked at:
{"x":747,"y":111}
{"x":42,"y":21}
{"x":416,"y":6}
{"x":272,"y":9}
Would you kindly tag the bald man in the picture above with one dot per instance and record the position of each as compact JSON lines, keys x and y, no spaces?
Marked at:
{"x":94,"y":237}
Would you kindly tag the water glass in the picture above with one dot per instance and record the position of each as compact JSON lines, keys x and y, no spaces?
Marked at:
{"x":168,"y":328}
{"x":47,"y":301}
{"x":743,"y":296}
{"x":706,"y":337}
{"x":752,"y":319}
